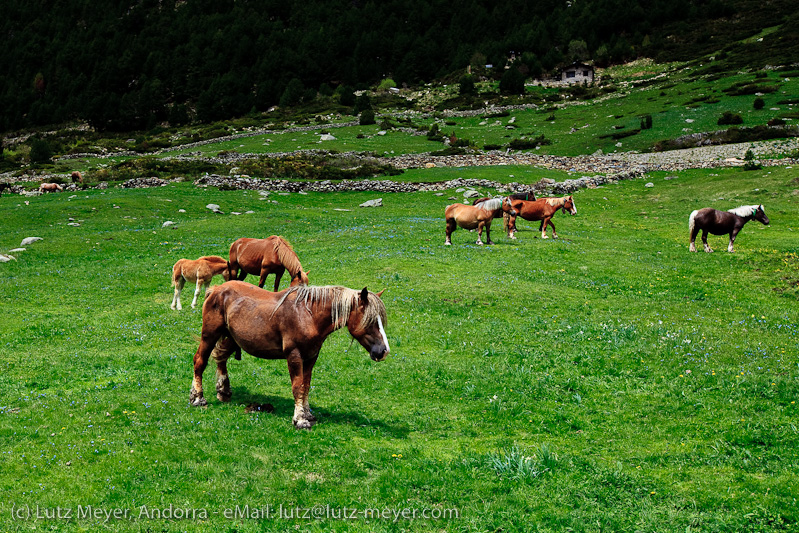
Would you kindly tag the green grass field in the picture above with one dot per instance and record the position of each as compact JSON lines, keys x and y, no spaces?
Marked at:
{"x":605,"y":381}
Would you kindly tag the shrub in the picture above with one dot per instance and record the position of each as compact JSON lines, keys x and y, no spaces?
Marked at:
{"x":512,"y":82}
{"x":527,"y":144}
{"x":776,"y":122}
{"x":646,"y":122}
{"x":367,"y":117}
{"x":729,"y":118}
{"x":386,"y":84}
{"x":759,"y":103}
{"x":40,"y":151}
{"x":466,"y":86}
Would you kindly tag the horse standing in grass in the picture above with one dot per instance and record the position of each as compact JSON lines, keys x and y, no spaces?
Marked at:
{"x":542,"y":209}
{"x":710,"y":220}
{"x":199,"y":271}
{"x":291,"y":325}
{"x":50,"y":187}
{"x":476,"y":216}
{"x":261,"y":257}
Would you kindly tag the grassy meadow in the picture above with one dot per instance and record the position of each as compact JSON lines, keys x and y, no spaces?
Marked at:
{"x":608,"y":380}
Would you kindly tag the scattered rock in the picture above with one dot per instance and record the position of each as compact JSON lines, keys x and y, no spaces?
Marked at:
{"x":167,"y":224}
{"x":214,"y":208}
{"x":471,"y":193}
{"x":17,"y":250}
{"x":377,"y":202}
{"x":650,"y":184}
{"x":143,"y":183}
{"x":5,"y":258}
{"x":29,"y":240}
{"x":326,"y":137}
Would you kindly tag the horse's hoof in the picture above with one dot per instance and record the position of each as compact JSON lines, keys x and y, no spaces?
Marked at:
{"x":223,"y":397}
{"x":199,"y":402}
{"x":309,"y":416}
{"x":302,"y":423}
{"x":447,"y":243}
{"x":479,"y":243}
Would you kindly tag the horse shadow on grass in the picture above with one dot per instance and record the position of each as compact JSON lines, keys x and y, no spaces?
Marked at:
{"x":283,"y":406}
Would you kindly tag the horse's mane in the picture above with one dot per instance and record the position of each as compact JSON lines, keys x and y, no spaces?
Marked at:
{"x":341,"y":299}
{"x":744,"y":210}
{"x":557,"y":202}
{"x":287,"y":256}
{"x":492,"y":204}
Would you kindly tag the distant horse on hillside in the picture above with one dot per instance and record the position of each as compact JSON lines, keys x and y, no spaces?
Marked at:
{"x":261,"y":257}
{"x":542,"y":209}
{"x":477,"y":216}
{"x":199,"y":271}
{"x":291,"y":325}
{"x":717,"y":222}
{"x":50,"y":187}
{"x":77,"y":177}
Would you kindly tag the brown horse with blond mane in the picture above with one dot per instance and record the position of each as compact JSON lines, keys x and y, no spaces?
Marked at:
{"x":199,"y":271}
{"x":261,"y":257}
{"x":542,"y":209}
{"x":476,"y":216}
{"x":291,"y":325}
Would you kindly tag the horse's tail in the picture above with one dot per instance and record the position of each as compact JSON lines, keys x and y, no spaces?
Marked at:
{"x":177,"y":272}
{"x":506,"y":222}
{"x":692,"y":221}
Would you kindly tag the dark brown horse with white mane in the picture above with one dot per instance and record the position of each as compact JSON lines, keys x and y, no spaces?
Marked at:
{"x":710,"y":220}
{"x":476,"y":216}
{"x":542,"y":209}
{"x":291,"y":325}
{"x":261,"y":257}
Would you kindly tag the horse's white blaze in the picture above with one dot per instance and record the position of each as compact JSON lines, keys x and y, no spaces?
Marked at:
{"x":383,"y":333}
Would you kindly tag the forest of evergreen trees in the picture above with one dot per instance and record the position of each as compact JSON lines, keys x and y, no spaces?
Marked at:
{"x":128,"y":64}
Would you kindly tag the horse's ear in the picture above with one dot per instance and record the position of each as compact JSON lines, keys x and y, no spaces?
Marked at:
{"x":306,"y":272}
{"x":364,"y":297}
{"x":380,"y":293}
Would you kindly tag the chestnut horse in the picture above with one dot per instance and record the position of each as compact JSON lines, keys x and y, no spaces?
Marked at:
{"x":261,"y":257}
{"x":730,"y":222}
{"x":542,"y":209}
{"x":199,"y":271}
{"x":291,"y":325}
{"x":476,"y":216}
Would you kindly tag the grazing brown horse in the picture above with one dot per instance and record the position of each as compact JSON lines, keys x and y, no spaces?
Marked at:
{"x":261,"y":257}
{"x":199,"y":271}
{"x":476,"y":216}
{"x":77,"y":177}
{"x":542,"y":209}
{"x":730,"y":222}
{"x":50,"y":187}
{"x":291,"y":325}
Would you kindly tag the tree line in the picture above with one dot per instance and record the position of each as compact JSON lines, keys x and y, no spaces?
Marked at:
{"x":125,"y":65}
